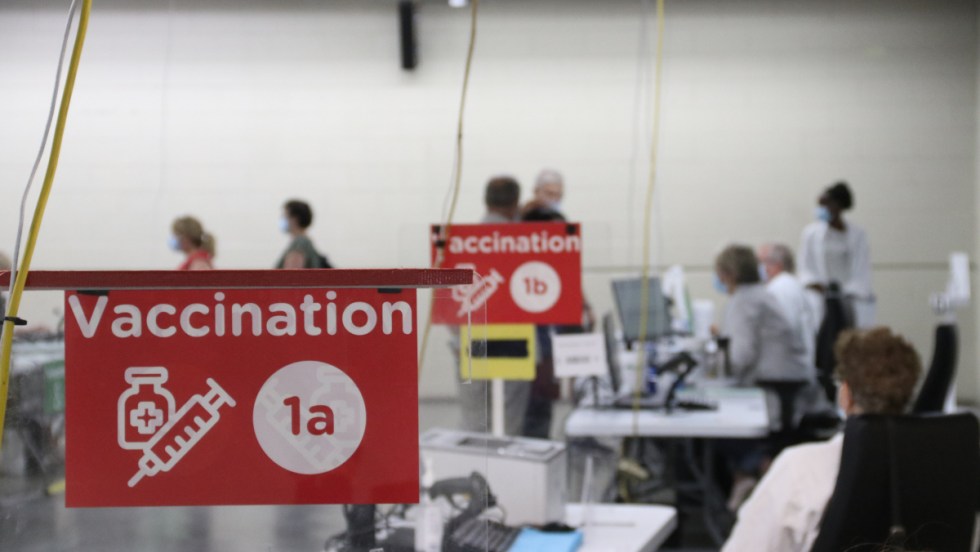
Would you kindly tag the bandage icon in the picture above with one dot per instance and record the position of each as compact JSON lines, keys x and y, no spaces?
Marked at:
{"x":475,"y":295}
{"x":182,"y":431}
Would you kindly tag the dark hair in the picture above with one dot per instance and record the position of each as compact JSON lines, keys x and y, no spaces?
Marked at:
{"x":502,"y":191}
{"x":299,"y":210}
{"x":739,"y":262}
{"x":840,"y":194}
{"x":880,"y":367}
{"x":541,"y":213}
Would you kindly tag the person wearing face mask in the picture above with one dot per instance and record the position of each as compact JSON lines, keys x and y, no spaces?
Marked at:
{"x":296,"y":219}
{"x":777,"y":269}
{"x":763,"y":344}
{"x":834,"y":251}
{"x":549,"y":188}
{"x":188,"y":236}
{"x":878,"y":371}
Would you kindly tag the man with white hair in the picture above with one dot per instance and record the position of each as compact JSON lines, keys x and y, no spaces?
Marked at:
{"x":777,"y":267}
{"x":549,"y":189}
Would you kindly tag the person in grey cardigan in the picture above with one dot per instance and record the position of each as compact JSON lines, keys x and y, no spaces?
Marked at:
{"x":763,"y":343}
{"x":762,"y":346}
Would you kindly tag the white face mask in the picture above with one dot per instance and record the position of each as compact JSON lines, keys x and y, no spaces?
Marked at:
{"x":283,"y":225}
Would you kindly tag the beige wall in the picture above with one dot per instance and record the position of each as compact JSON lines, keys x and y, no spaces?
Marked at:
{"x":224,"y":109}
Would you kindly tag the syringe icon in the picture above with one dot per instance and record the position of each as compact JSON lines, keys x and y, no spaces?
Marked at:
{"x":473,"y":296}
{"x":182,"y":431}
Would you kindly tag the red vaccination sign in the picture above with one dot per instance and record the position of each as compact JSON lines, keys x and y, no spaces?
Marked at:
{"x":241,"y":396}
{"x":527,"y":273}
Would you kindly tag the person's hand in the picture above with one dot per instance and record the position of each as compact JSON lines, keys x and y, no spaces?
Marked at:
{"x":588,"y":317}
{"x":816,"y":287}
{"x":715,"y":332}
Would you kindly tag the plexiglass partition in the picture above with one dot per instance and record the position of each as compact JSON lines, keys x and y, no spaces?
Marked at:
{"x":227,"y":418}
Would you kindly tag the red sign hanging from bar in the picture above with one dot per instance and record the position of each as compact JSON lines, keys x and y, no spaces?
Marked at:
{"x":528,"y":273}
{"x":241,"y":396}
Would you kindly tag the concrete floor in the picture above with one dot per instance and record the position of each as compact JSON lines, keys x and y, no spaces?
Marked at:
{"x":33,"y":522}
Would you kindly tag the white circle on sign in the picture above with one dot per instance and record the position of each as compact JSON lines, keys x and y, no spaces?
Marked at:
{"x":535,"y":286}
{"x":309,"y":417}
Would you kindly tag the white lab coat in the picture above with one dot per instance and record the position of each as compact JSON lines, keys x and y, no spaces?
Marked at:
{"x":812,"y":269}
{"x":784,"y":511}
{"x":792,"y":297}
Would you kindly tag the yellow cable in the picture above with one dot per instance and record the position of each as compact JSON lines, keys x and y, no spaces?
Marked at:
{"x":647,"y":222}
{"x":25,"y":265}
{"x":58,"y":487}
{"x":457,"y":175}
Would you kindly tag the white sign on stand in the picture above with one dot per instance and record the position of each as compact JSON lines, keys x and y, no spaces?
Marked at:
{"x":579,"y":355}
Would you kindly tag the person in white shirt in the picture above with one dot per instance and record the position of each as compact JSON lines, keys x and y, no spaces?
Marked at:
{"x":835,"y":251}
{"x":878,"y":371}
{"x":777,"y":266}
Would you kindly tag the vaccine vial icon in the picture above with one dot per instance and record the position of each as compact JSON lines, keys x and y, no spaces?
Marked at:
{"x":143,"y":408}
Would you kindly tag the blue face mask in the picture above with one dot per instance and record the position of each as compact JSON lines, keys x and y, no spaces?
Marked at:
{"x":173,"y":243}
{"x":763,"y":276}
{"x":719,"y":286}
{"x":283,"y":225}
{"x":822,"y":213}
{"x":555,"y":206}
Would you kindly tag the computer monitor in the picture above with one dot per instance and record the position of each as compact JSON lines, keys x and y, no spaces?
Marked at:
{"x":627,"y":294}
{"x":612,"y":355}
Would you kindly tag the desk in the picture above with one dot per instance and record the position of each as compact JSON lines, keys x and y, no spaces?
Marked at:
{"x":612,"y":527}
{"x":741,"y":414}
{"x":623,"y":527}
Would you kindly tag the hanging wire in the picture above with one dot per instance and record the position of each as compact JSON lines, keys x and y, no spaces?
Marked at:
{"x":44,"y":142}
{"x":457,"y":176}
{"x":647,"y":219}
{"x":17,"y":291}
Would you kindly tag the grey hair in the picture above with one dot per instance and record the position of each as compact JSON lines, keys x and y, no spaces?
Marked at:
{"x":783,"y":256}
{"x":548,"y":176}
{"x":739,"y":262}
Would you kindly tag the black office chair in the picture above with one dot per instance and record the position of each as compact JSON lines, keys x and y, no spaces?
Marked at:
{"x":786,"y":391}
{"x":796,"y":427}
{"x":942,"y":372}
{"x":905,"y":481}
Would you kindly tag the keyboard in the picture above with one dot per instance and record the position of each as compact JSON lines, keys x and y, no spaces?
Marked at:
{"x":481,"y":535}
{"x":652,"y":403}
{"x":696,"y":403}
{"x":646,"y":403}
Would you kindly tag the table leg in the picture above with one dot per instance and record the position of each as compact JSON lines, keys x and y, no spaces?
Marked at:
{"x":713,"y":505}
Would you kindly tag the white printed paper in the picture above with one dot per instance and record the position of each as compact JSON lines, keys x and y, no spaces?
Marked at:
{"x":578,"y":355}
